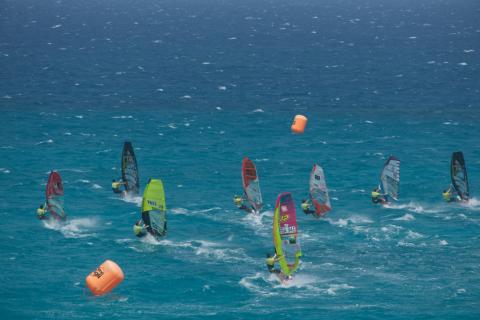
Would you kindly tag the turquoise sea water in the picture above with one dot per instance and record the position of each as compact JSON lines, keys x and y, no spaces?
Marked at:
{"x":198,"y":86}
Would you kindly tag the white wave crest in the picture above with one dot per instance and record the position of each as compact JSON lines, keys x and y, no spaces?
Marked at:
{"x":297,"y":281}
{"x":212,"y":250}
{"x":405,"y":217}
{"x":209,"y":209}
{"x":414,"y":235}
{"x":355,"y":219}
{"x":74,"y":228}
{"x":472,"y":204}
{"x":182,"y":211}
{"x":132,"y":199}
{"x":253,"y":283}
{"x":412,"y":206}
{"x":334,"y":288}
{"x":44,"y":141}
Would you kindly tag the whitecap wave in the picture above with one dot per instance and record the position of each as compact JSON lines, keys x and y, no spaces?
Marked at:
{"x":412,"y":235}
{"x":334,"y":288}
{"x":124,"y":240}
{"x":254,"y":284}
{"x":44,"y":141}
{"x":256,"y":221}
{"x":405,"y":244}
{"x":405,"y":217}
{"x":354,"y":219}
{"x":391,"y":229}
{"x":181,"y":211}
{"x":122,"y":117}
{"x":208,"y":210}
{"x":215,"y":251}
{"x":74,"y":228}
{"x":297,"y":281}
{"x":413,"y":207}
{"x":472,"y":204}
{"x":132,"y":199}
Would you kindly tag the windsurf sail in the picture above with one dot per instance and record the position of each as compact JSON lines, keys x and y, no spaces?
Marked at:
{"x":285,"y":234}
{"x":390,"y":177}
{"x":154,"y":210}
{"x":251,"y":184}
{"x":319,"y":192}
{"x":130,"y":169}
{"x":54,"y":196}
{"x":458,"y":172}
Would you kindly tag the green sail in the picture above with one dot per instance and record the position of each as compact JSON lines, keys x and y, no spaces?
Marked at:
{"x":285,"y":234}
{"x":154,"y":210}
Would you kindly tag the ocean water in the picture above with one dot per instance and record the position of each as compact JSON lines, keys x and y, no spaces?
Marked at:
{"x":198,"y":85}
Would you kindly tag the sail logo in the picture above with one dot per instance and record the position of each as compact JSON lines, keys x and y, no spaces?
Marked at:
{"x":98,"y":273}
{"x":155,"y":205}
{"x":284,"y":217}
{"x":317,"y":177}
{"x":286,"y":229}
{"x":152,"y":203}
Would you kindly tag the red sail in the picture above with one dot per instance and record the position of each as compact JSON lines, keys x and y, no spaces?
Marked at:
{"x":54,"y":196}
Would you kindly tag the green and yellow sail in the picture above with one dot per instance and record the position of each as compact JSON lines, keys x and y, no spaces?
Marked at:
{"x":285,"y":234}
{"x":154,"y":209}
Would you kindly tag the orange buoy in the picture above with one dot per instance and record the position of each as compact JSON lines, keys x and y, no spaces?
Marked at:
{"x":299,"y":124}
{"x":105,"y":278}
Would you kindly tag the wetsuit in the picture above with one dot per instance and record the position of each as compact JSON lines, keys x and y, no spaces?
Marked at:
{"x":139,"y":229}
{"x":116,"y":186}
{"x":270,"y":261}
{"x":42,"y":213}
{"x":306,"y":208}
{"x":377,"y":197}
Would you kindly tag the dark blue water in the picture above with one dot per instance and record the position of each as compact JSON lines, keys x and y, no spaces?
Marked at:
{"x":197,"y":86}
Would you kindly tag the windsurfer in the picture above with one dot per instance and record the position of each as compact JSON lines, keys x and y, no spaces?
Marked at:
{"x":240,"y":203}
{"x":116,"y":186}
{"x":450,"y":196}
{"x":377,"y":197}
{"x":42,"y":212}
{"x":306,"y":207}
{"x":139,"y":229}
{"x":270,"y":261}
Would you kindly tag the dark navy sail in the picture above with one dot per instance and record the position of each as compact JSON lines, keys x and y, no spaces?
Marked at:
{"x":458,"y":172}
{"x":130,"y":169}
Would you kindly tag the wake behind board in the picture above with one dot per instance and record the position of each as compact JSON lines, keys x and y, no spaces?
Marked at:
{"x":283,"y":278}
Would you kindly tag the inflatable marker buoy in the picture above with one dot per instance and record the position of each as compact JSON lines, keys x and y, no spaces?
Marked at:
{"x":105,"y":278}
{"x":299,"y":124}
